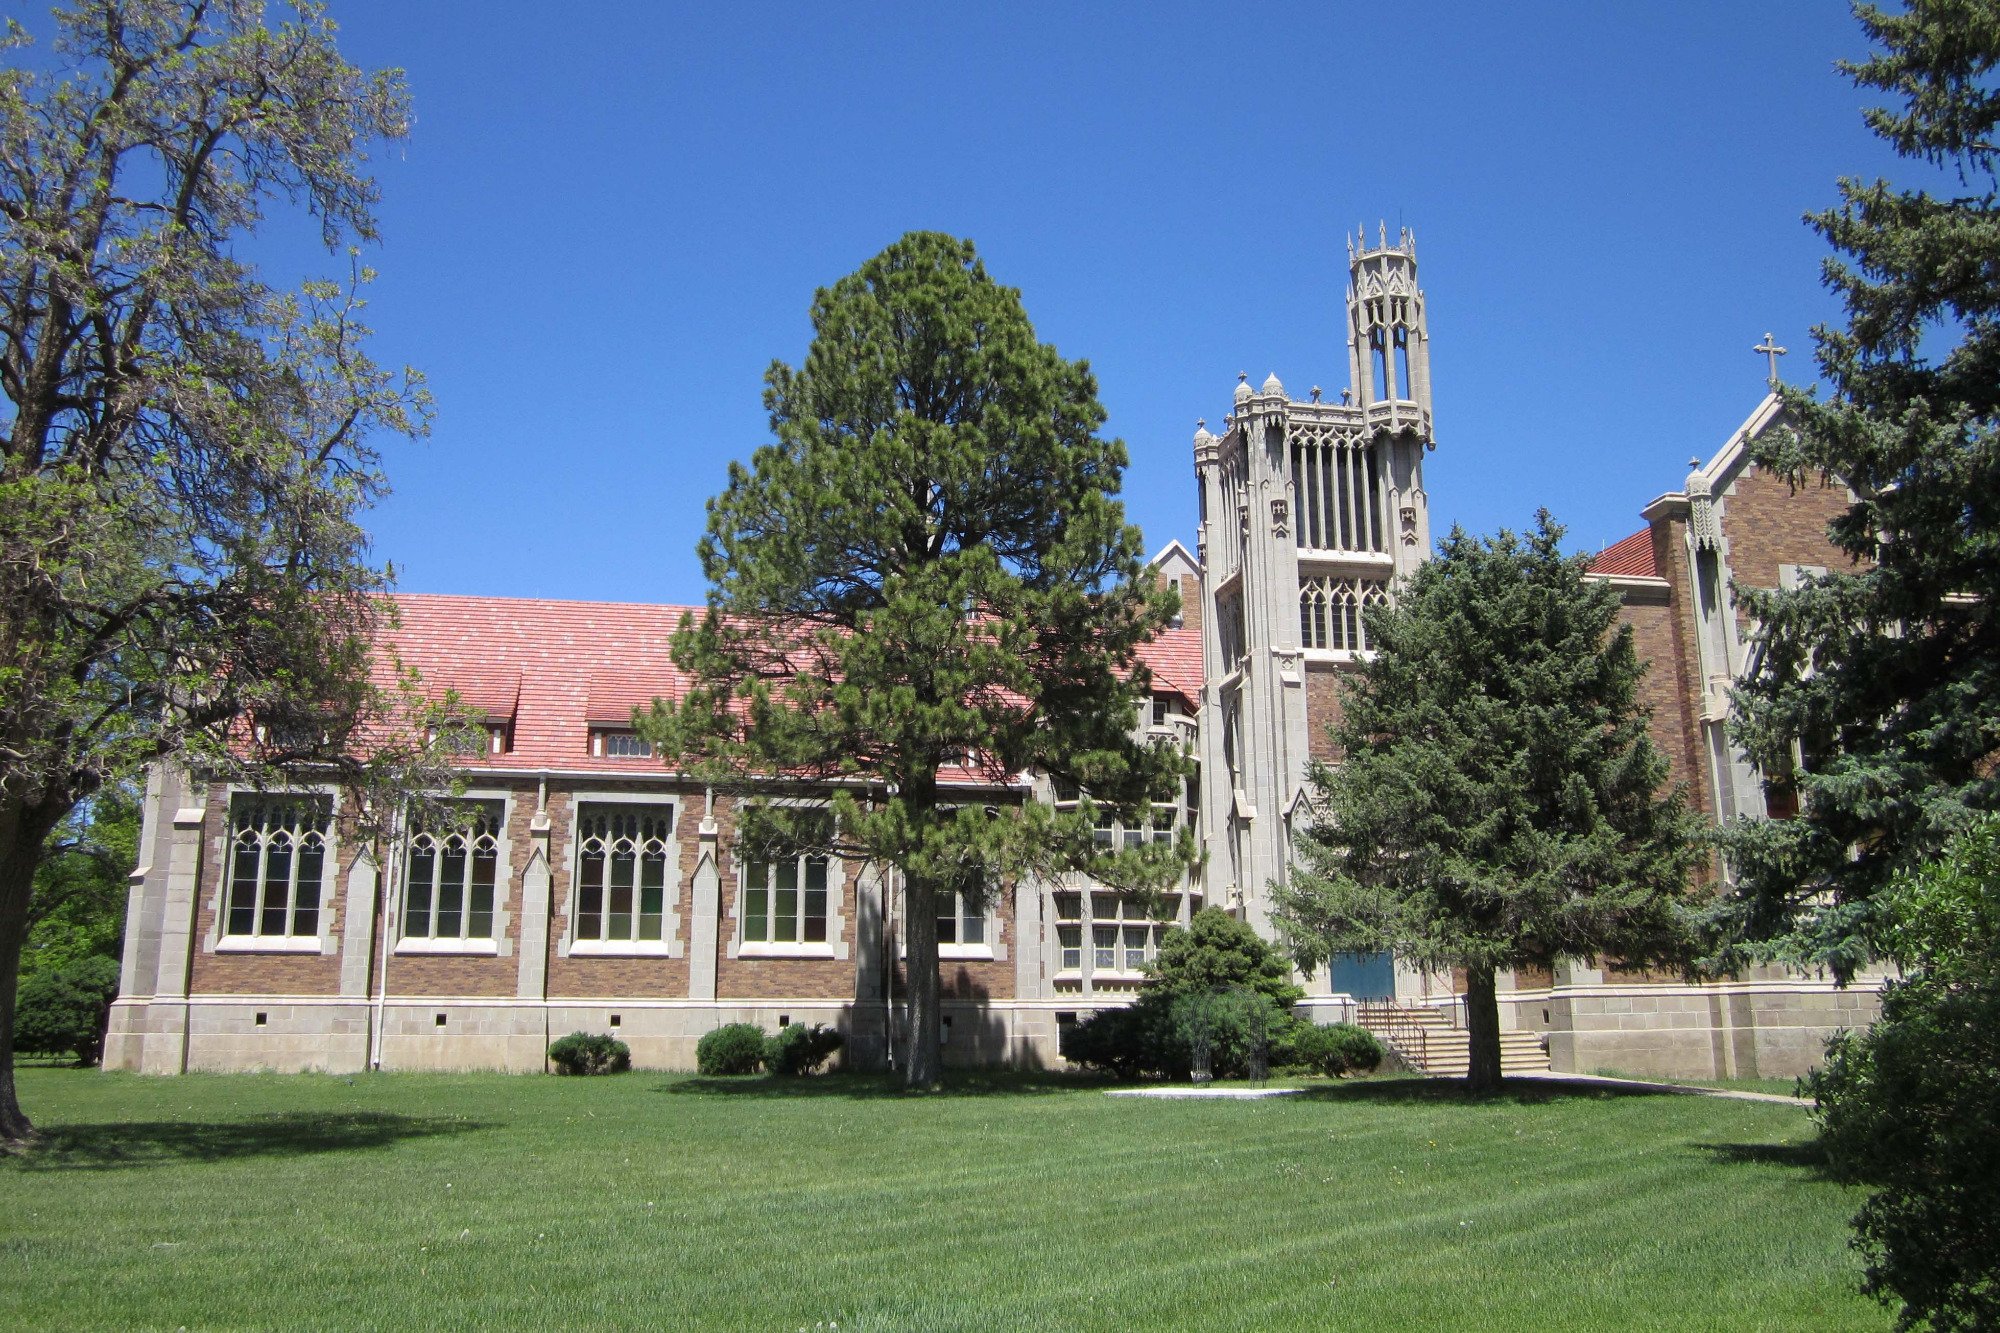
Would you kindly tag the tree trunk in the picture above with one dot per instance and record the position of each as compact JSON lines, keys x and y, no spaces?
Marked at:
{"x":924,"y":1062}
{"x":1482,"y":1028}
{"x":20,"y":850}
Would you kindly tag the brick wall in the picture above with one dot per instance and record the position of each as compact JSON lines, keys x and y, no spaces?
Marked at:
{"x":1673,"y":678}
{"x":1191,"y":611}
{"x":1322,"y":710}
{"x":1769,"y":524}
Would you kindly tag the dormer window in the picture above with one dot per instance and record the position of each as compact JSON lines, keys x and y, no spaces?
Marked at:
{"x":620,"y":745}
{"x":489,"y":738}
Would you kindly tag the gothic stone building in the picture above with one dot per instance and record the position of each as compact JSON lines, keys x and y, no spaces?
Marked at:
{"x":598,"y":890}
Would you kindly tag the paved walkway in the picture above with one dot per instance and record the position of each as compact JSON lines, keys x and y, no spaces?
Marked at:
{"x":1731,"y":1094}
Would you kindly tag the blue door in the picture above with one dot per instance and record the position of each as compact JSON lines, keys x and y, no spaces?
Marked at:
{"x":1365,"y":976}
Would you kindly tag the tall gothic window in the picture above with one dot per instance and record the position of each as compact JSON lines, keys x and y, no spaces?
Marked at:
{"x":1337,"y":484}
{"x":1330,"y":612}
{"x":621,"y":871}
{"x":277,"y":863}
{"x":784,"y":901}
{"x":448,"y":876}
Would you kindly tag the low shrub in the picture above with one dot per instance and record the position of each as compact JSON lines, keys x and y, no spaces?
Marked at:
{"x":590,"y":1053}
{"x":1242,"y":1031}
{"x":801,"y":1048}
{"x":733,"y":1048}
{"x":1334,"y":1050}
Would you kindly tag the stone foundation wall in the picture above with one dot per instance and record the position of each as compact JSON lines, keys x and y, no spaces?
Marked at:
{"x":288,"y":1034}
{"x":1759,"y":1029}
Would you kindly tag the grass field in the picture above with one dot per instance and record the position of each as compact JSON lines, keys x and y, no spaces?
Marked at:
{"x":668,"y":1201}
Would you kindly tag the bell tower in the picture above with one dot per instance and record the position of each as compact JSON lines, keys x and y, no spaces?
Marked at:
{"x":1312,"y":513}
{"x":1388,"y":338}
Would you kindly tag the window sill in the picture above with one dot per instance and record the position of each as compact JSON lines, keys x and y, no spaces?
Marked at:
{"x":785,"y":951}
{"x":964,"y":952}
{"x":270,"y":944}
{"x":477,"y":948}
{"x":620,"y":948}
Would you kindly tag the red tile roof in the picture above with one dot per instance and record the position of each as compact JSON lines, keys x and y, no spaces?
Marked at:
{"x":560,"y":668}
{"x":1630,"y":558}
{"x":1175,"y":660}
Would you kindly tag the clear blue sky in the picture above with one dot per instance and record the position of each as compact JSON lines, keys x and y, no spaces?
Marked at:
{"x":611,"y":217}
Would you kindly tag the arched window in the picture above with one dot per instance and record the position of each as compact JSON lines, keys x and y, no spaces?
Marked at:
{"x":1346,"y":619}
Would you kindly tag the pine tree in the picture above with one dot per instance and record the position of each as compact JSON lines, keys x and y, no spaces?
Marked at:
{"x":1878,"y":689}
{"x":928,"y":568}
{"x":1497,"y":802}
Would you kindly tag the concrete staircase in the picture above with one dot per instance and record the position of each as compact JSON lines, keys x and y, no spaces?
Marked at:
{"x":1426,"y":1040}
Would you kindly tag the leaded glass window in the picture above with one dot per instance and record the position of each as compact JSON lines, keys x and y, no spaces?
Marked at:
{"x":621,"y":871}
{"x":277,"y":863}
{"x":960,"y":922}
{"x":449,"y":873}
{"x":784,"y":901}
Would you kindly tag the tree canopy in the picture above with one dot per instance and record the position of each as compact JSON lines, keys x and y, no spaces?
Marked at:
{"x":1877,"y":690}
{"x":928,"y":568}
{"x":185,"y":448}
{"x":1497,"y":801}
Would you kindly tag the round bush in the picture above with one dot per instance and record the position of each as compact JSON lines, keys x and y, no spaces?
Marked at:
{"x":590,"y":1053}
{"x":734,"y":1048}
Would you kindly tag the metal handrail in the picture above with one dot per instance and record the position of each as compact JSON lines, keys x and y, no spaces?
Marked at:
{"x":1400,"y":1026}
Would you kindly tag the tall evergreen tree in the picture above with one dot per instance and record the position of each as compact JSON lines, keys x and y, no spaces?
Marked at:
{"x":928,"y":568}
{"x":1497,"y":802}
{"x":1884,"y":678}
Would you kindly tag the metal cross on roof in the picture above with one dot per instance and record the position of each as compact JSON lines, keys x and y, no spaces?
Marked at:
{"x":1770,"y":349}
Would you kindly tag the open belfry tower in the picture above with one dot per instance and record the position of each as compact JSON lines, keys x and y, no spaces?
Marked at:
{"x":1310,"y":511}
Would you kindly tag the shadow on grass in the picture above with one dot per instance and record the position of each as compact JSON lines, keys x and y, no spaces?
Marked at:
{"x":1512,"y":1092}
{"x":957,"y":1083}
{"x":119,"y":1145}
{"x":1003,"y":1083}
{"x":1807,"y":1156}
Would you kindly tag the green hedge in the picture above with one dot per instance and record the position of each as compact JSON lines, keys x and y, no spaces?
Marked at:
{"x":590,"y":1053}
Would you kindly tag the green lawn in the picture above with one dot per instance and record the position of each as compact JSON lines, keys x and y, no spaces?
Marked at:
{"x":668,"y":1201}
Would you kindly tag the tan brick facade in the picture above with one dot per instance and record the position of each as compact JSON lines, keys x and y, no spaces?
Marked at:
{"x":276,"y":1007}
